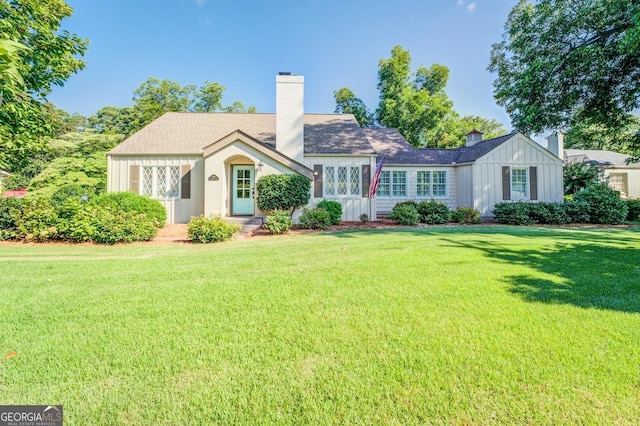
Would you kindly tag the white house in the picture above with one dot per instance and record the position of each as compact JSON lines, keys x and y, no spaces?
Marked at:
{"x":208,"y":163}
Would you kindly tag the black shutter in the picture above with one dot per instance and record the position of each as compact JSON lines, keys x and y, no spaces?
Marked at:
{"x":185,"y":182}
{"x":317,"y":181}
{"x":366,"y":180}
{"x":506,"y":183}
{"x":134,"y":179}
{"x":533,"y":183}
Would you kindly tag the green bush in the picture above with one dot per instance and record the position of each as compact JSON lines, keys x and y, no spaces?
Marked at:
{"x":278,"y":222}
{"x":577,"y":210}
{"x":134,"y":203}
{"x":364,"y":218}
{"x":282,"y":192}
{"x":433,"y":212}
{"x":405,"y":213}
{"x":37,"y":220}
{"x":633,"y":210}
{"x":579,"y":176}
{"x":210,"y":229}
{"x":548,"y":213}
{"x":315,"y":219}
{"x":16,"y":181}
{"x":512,"y":213}
{"x":8,"y":225}
{"x":465,"y":215}
{"x":106,"y":225}
{"x":71,"y":190}
{"x":333,"y":208}
{"x":604,"y":204}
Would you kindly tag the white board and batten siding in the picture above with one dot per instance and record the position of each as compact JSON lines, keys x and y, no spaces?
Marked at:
{"x":487,"y":175}
{"x":352,"y":206}
{"x":384,"y":204}
{"x":179,"y":209}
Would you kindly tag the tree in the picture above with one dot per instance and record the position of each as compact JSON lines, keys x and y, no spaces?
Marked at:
{"x":238,"y":106}
{"x":48,"y":57}
{"x":588,"y":135}
{"x":455,"y":129}
{"x":415,"y":104}
{"x":348,"y":103}
{"x":209,"y":97}
{"x":563,"y":63}
{"x":114,"y":120}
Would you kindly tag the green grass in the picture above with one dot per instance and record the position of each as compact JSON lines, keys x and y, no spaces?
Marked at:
{"x":450,"y":325}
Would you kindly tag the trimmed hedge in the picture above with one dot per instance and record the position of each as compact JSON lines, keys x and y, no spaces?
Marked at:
{"x":433,"y":212}
{"x":633,"y":210}
{"x":282,"y":192}
{"x":405,"y":213}
{"x":74,"y":220}
{"x":597,"y":204}
{"x":315,"y":219}
{"x":131,"y":202}
{"x":466,"y":215}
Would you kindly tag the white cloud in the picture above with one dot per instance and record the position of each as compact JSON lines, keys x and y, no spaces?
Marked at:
{"x":472,"y":6}
{"x":460,"y":3}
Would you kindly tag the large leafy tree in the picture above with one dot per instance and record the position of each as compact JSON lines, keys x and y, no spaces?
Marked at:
{"x":569,"y":63}
{"x":348,"y":103}
{"x":47,"y":57}
{"x":415,"y":104}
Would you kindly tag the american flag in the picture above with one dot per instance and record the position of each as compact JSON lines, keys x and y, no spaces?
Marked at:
{"x":373,"y":187}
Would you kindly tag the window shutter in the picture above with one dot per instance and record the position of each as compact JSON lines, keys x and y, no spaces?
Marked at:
{"x":185,"y":182}
{"x":317,"y":181}
{"x":506,"y":183}
{"x":366,"y":180}
{"x":134,"y":179}
{"x":533,"y":183}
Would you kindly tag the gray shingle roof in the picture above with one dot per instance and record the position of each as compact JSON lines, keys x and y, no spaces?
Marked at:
{"x":599,"y":156}
{"x":189,"y":133}
{"x":396,"y":149}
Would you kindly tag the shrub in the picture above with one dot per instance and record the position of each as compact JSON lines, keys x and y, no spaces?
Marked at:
{"x":315,"y":219}
{"x":405,"y":213}
{"x":8,"y":224}
{"x":548,"y":213}
{"x":604,"y":204}
{"x":14,"y":182}
{"x":37,"y":220}
{"x":465,"y":215}
{"x":579,"y":176}
{"x":282,"y":192}
{"x":107,"y":225}
{"x":210,"y":229}
{"x":433,"y":212}
{"x":69,"y":191}
{"x":131,"y":202}
{"x":333,"y":208}
{"x":278,"y":222}
{"x":633,"y":210}
{"x":512,"y":213}
{"x":577,"y":210}
{"x":364,"y":218}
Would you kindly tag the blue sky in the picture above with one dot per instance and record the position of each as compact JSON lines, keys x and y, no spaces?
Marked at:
{"x":244,"y":44}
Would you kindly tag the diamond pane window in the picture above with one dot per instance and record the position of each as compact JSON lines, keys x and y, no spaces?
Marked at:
{"x":342,"y":181}
{"x":330,"y":181}
{"x":355,"y":181}
{"x":161,"y":184}
{"x":174,"y":182}
{"x":147,"y":181}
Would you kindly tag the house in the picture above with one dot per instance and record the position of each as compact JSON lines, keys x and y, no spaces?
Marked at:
{"x":622,"y":176}
{"x":208,"y":163}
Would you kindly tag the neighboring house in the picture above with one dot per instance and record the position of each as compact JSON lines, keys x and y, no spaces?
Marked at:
{"x":208,"y":163}
{"x":621,"y":176}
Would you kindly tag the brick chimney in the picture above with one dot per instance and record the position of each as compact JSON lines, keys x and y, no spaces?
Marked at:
{"x":473,"y":137}
{"x":289,"y":115}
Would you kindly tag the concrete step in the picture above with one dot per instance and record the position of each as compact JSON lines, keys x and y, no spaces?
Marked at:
{"x":248,"y":223}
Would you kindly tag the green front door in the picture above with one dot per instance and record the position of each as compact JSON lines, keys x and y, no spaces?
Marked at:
{"x":242,"y":203}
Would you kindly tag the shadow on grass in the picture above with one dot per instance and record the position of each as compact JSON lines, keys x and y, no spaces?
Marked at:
{"x":589,"y":268}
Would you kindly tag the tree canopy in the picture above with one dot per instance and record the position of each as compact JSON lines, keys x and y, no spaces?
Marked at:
{"x":563,"y":64}
{"x":36,"y":55}
{"x":416,"y":104}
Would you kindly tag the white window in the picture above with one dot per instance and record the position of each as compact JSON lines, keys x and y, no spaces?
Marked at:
{"x":519,"y":184}
{"x":342,"y":181}
{"x":161,"y":181}
{"x":392,"y":184}
{"x":618,"y":182}
{"x":431,"y":184}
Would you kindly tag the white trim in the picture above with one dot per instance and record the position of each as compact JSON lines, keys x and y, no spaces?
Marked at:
{"x":527,"y":183}
{"x":170,"y":172}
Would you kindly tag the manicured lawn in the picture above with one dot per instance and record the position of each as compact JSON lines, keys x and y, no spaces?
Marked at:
{"x":452,"y":325}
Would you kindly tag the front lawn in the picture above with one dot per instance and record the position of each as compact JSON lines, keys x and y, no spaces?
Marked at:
{"x":451,"y":325}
